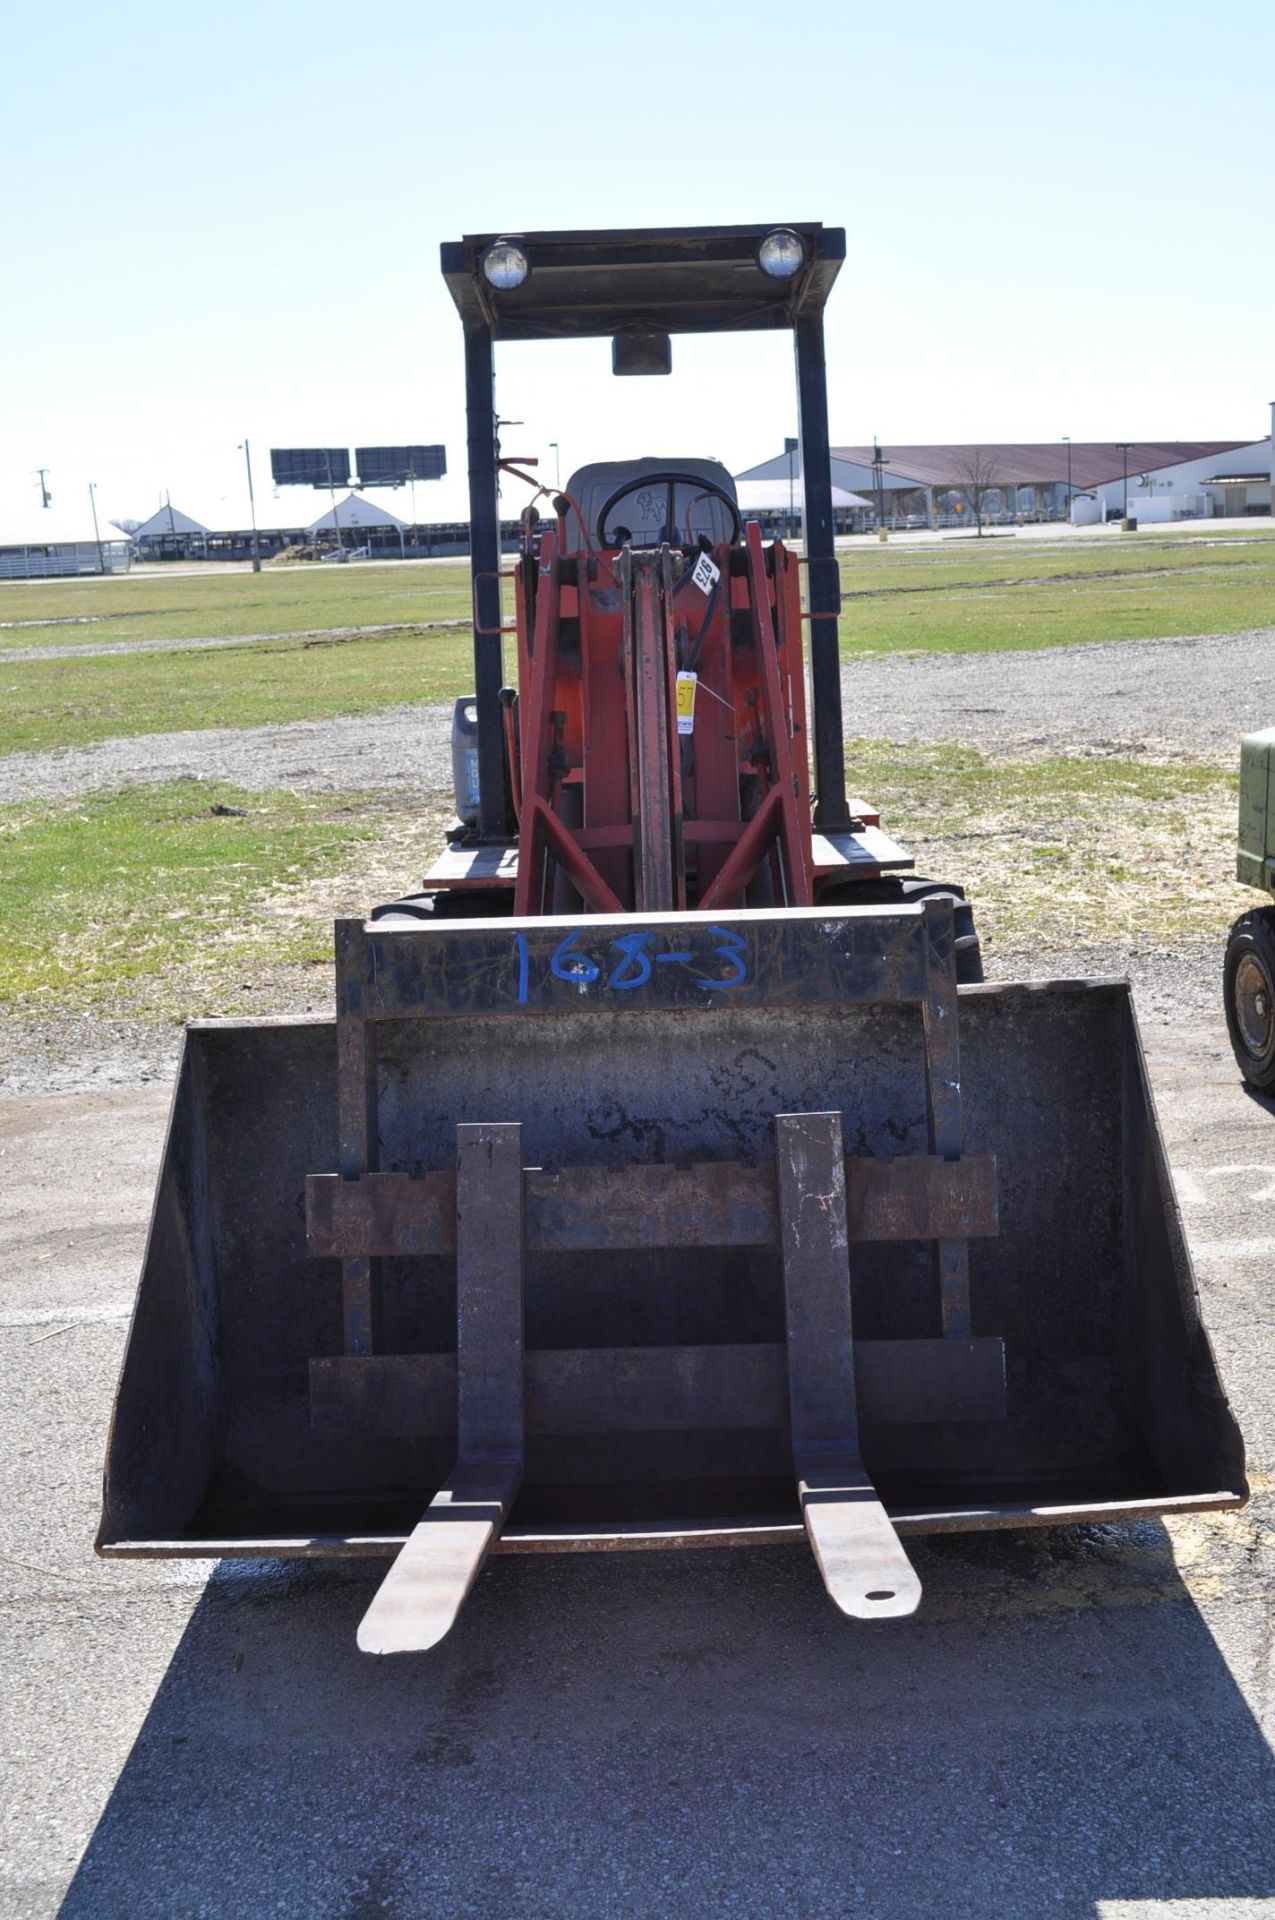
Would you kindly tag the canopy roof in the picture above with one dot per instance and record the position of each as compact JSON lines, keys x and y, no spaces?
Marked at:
{"x":169,"y":520}
{"x":1035,"y":463}
{"x":354,"y":511}
{"x":59,"y":526}
{"x":671,"y":279}
{"x":762,"y":496}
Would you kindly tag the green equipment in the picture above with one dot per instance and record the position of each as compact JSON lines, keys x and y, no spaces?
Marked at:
{"x":1248,"y":974}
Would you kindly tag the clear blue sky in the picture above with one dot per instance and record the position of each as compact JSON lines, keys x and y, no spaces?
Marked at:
{"x":225,"y":220}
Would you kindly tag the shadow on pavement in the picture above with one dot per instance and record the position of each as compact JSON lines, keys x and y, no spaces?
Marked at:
{"x":700,"y":1735}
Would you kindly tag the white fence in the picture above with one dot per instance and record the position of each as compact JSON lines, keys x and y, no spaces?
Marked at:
{"x":37,"y":563}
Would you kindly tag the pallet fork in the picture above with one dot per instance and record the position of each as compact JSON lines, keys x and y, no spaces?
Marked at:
{"x":798,"y":1204}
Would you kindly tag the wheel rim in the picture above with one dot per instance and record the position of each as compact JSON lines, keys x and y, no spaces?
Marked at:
{"x":1254,"y":1006}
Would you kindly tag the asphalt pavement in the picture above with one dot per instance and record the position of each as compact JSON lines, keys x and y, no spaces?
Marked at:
{"x":1075,"y":1724}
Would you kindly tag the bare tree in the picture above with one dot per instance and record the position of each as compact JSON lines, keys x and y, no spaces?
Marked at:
{"x":978,"y":473}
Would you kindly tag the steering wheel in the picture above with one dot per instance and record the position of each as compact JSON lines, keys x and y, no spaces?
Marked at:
{"x":669,"y":477}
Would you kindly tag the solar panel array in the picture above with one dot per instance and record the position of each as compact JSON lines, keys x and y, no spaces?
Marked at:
{"x":395,"y":466}
{"x":310,"y":466}
{"x":377,"y":466}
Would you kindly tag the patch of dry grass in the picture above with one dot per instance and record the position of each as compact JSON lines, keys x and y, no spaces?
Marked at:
{"x":1063,"y":851}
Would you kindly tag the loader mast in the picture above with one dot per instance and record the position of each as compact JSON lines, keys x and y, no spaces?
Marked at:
{"x":681,"y":280}
{"x":627,"y":805}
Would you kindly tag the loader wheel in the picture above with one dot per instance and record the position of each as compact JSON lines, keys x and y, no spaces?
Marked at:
{"x":453,"y":904}
{"x":890,"y":890}
{"x":1248,"y":994}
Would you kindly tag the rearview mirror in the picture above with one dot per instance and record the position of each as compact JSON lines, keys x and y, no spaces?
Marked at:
{"x":641,"y":351}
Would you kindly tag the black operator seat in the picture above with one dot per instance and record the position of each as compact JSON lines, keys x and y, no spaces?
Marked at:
{"x":644,"y":512}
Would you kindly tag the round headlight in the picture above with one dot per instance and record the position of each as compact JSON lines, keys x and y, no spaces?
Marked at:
{"x":505,"y":265}
{"x":781,"y":254}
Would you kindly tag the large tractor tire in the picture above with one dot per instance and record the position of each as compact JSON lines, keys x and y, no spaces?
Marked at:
{"x":892,"y":889}
{"x":1248,"y":994}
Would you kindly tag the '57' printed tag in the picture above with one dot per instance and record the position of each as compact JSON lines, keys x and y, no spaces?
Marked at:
{"x":684,"y":701}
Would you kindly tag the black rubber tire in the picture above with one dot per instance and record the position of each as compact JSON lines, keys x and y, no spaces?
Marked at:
{"x":1248,"y":994}
{"x":453,"y":904}
{"x":890,"y":888}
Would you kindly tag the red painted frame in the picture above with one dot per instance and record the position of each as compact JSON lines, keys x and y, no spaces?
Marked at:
{"x":613,"y":804}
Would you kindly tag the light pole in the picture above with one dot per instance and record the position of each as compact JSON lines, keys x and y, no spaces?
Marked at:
{"x":45,"y":496}
{"x":252,"y":510}
{"x":1124,"y":446}
{"x":101,"y":562}
{"x":790,"y":448}
{"x":557,"y":466}
{"x":1067,"y":444}
{"x":878,"y":483}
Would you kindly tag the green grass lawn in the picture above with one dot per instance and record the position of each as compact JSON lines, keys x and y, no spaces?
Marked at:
{"x":153,"y":604}
{"x":950,"y":596}
{"x":125,"y":891}
{"x":979,"y":595}
{"x":70,"y":702}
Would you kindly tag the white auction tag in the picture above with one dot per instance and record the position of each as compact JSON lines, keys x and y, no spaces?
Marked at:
{"x":706,"y":573}
{"x":684,"y":696}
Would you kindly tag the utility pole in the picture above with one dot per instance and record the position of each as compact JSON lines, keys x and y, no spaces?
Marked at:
{"x":1124,"y":446}
{"x":790,"y":448}
{"x":252,"y":509}
{"x":46,"y":498}
{"x":1067,"y":443}
{"x":557,"y":467}
{"x":101,"y":559}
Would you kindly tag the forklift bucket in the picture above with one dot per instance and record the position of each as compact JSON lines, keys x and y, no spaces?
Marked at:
{"x":661,"y":1231}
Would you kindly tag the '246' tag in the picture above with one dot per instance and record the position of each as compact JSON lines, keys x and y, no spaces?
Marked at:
{"x":706,"y":573}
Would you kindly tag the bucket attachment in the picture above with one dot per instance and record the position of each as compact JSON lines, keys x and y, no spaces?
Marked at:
{"x":657,"y":1231}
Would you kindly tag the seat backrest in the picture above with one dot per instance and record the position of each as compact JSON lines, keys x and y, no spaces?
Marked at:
{"x":644,"y":511}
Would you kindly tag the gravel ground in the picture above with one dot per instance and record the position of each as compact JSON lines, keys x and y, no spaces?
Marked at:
{"x":1193,"y":695}
{"x":403,"y":747}
{"x":1196,"y":694}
